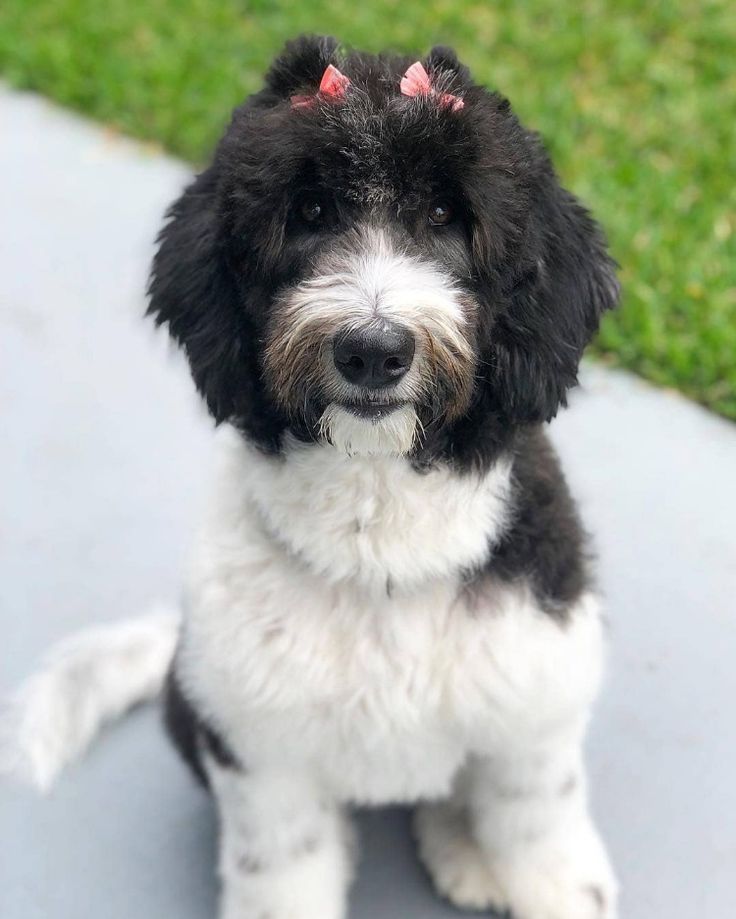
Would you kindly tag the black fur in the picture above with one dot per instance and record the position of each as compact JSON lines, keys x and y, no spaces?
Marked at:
{"x":545,"y":546}
{"x":523,"y":248}
{"x":191,"y":733}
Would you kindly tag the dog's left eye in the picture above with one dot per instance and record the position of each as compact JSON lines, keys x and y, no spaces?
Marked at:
{"x":440,"y":214}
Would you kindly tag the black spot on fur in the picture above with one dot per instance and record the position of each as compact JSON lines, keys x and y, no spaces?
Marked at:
{"x":310,"y":845}
{"x":248,"y":864}
{"x":598,"y":897}
{"x":191,"y":733}
{"x":545,"y":544}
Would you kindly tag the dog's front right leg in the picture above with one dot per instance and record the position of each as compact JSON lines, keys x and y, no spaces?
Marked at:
{"x":284,"y":846}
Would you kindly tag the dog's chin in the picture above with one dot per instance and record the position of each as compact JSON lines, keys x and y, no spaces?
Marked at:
{"x":370,"y":428}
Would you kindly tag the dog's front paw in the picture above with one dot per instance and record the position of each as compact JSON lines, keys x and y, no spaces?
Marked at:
{"x":566,"y":877}
{"x":453,"y":859}
{"x":556,"y":881}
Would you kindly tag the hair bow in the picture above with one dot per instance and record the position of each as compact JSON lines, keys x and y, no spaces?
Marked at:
{"x":332,"y":86}
{"x":415,"y":82}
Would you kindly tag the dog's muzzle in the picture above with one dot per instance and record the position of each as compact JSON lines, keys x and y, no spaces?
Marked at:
{"x":376,"y":342}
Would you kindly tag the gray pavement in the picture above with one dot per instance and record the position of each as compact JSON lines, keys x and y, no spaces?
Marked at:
{"x":104,"y":454}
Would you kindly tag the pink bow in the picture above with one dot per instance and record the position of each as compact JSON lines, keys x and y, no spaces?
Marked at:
{"x":332,"y":86}
{"x":415,"y":82}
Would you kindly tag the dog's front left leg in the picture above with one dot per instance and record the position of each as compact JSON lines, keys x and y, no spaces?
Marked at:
{"x":517,"y":836}
{"x":284,"y":846}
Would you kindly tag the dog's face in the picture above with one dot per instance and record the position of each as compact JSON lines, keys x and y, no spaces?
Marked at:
{"x":386,"y":263}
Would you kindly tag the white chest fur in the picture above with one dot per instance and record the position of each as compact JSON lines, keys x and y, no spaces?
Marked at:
{"x":327,"y":623}
{"x":370,"y":520}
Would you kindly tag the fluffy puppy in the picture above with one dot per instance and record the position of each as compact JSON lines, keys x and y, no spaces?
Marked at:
{"x":384,"y":293}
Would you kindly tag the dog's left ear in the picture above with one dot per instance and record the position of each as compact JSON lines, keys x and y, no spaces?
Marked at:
{"x":553,"y":308}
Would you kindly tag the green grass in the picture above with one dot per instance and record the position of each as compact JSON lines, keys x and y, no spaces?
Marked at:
{"x":637,"y":102}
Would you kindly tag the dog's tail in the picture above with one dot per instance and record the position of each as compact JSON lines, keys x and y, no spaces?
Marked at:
{"x":89,"y":679}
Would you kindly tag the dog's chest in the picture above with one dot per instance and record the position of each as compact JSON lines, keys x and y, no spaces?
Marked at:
{"x":372,"y":521}
{"x":327,"y":620}
{"x":378,"y":695}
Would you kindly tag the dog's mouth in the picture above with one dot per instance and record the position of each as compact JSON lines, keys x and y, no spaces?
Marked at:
{"x":372,"y":410}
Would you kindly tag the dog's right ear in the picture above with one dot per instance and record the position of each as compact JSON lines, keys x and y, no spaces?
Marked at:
{"x":193,"y":292}
{"x":444,"y":59}
{"x":301,"y":64}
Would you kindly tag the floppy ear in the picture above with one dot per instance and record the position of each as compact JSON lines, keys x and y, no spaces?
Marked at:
{"x":193,"y":291}
{"x":554,"y":308}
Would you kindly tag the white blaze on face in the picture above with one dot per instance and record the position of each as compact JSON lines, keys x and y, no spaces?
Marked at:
{"x":368,"y":281}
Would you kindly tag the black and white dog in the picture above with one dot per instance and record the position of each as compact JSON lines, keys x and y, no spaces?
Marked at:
{"x":383,"y":293}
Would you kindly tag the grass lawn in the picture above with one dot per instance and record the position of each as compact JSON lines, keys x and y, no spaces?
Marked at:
{"x":637,"y":102}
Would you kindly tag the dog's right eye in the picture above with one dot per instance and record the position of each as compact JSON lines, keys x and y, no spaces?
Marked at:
{"x":311,"y":210}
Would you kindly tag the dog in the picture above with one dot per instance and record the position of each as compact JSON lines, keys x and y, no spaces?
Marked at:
{"x":383,"y":293}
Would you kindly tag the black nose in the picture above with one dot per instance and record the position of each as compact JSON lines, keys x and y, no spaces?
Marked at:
{"x":374,"y":357}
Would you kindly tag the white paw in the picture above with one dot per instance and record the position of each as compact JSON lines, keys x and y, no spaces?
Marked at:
{"x":454,"y":861}
{"x":566,"y":878}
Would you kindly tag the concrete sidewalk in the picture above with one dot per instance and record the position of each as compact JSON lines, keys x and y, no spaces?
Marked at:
{"x":103,"y":460}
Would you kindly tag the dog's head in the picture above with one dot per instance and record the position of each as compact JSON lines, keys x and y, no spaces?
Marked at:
{"x":380,"y":256}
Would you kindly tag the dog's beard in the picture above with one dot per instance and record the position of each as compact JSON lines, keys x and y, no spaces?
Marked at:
{"x":392,"y":434}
